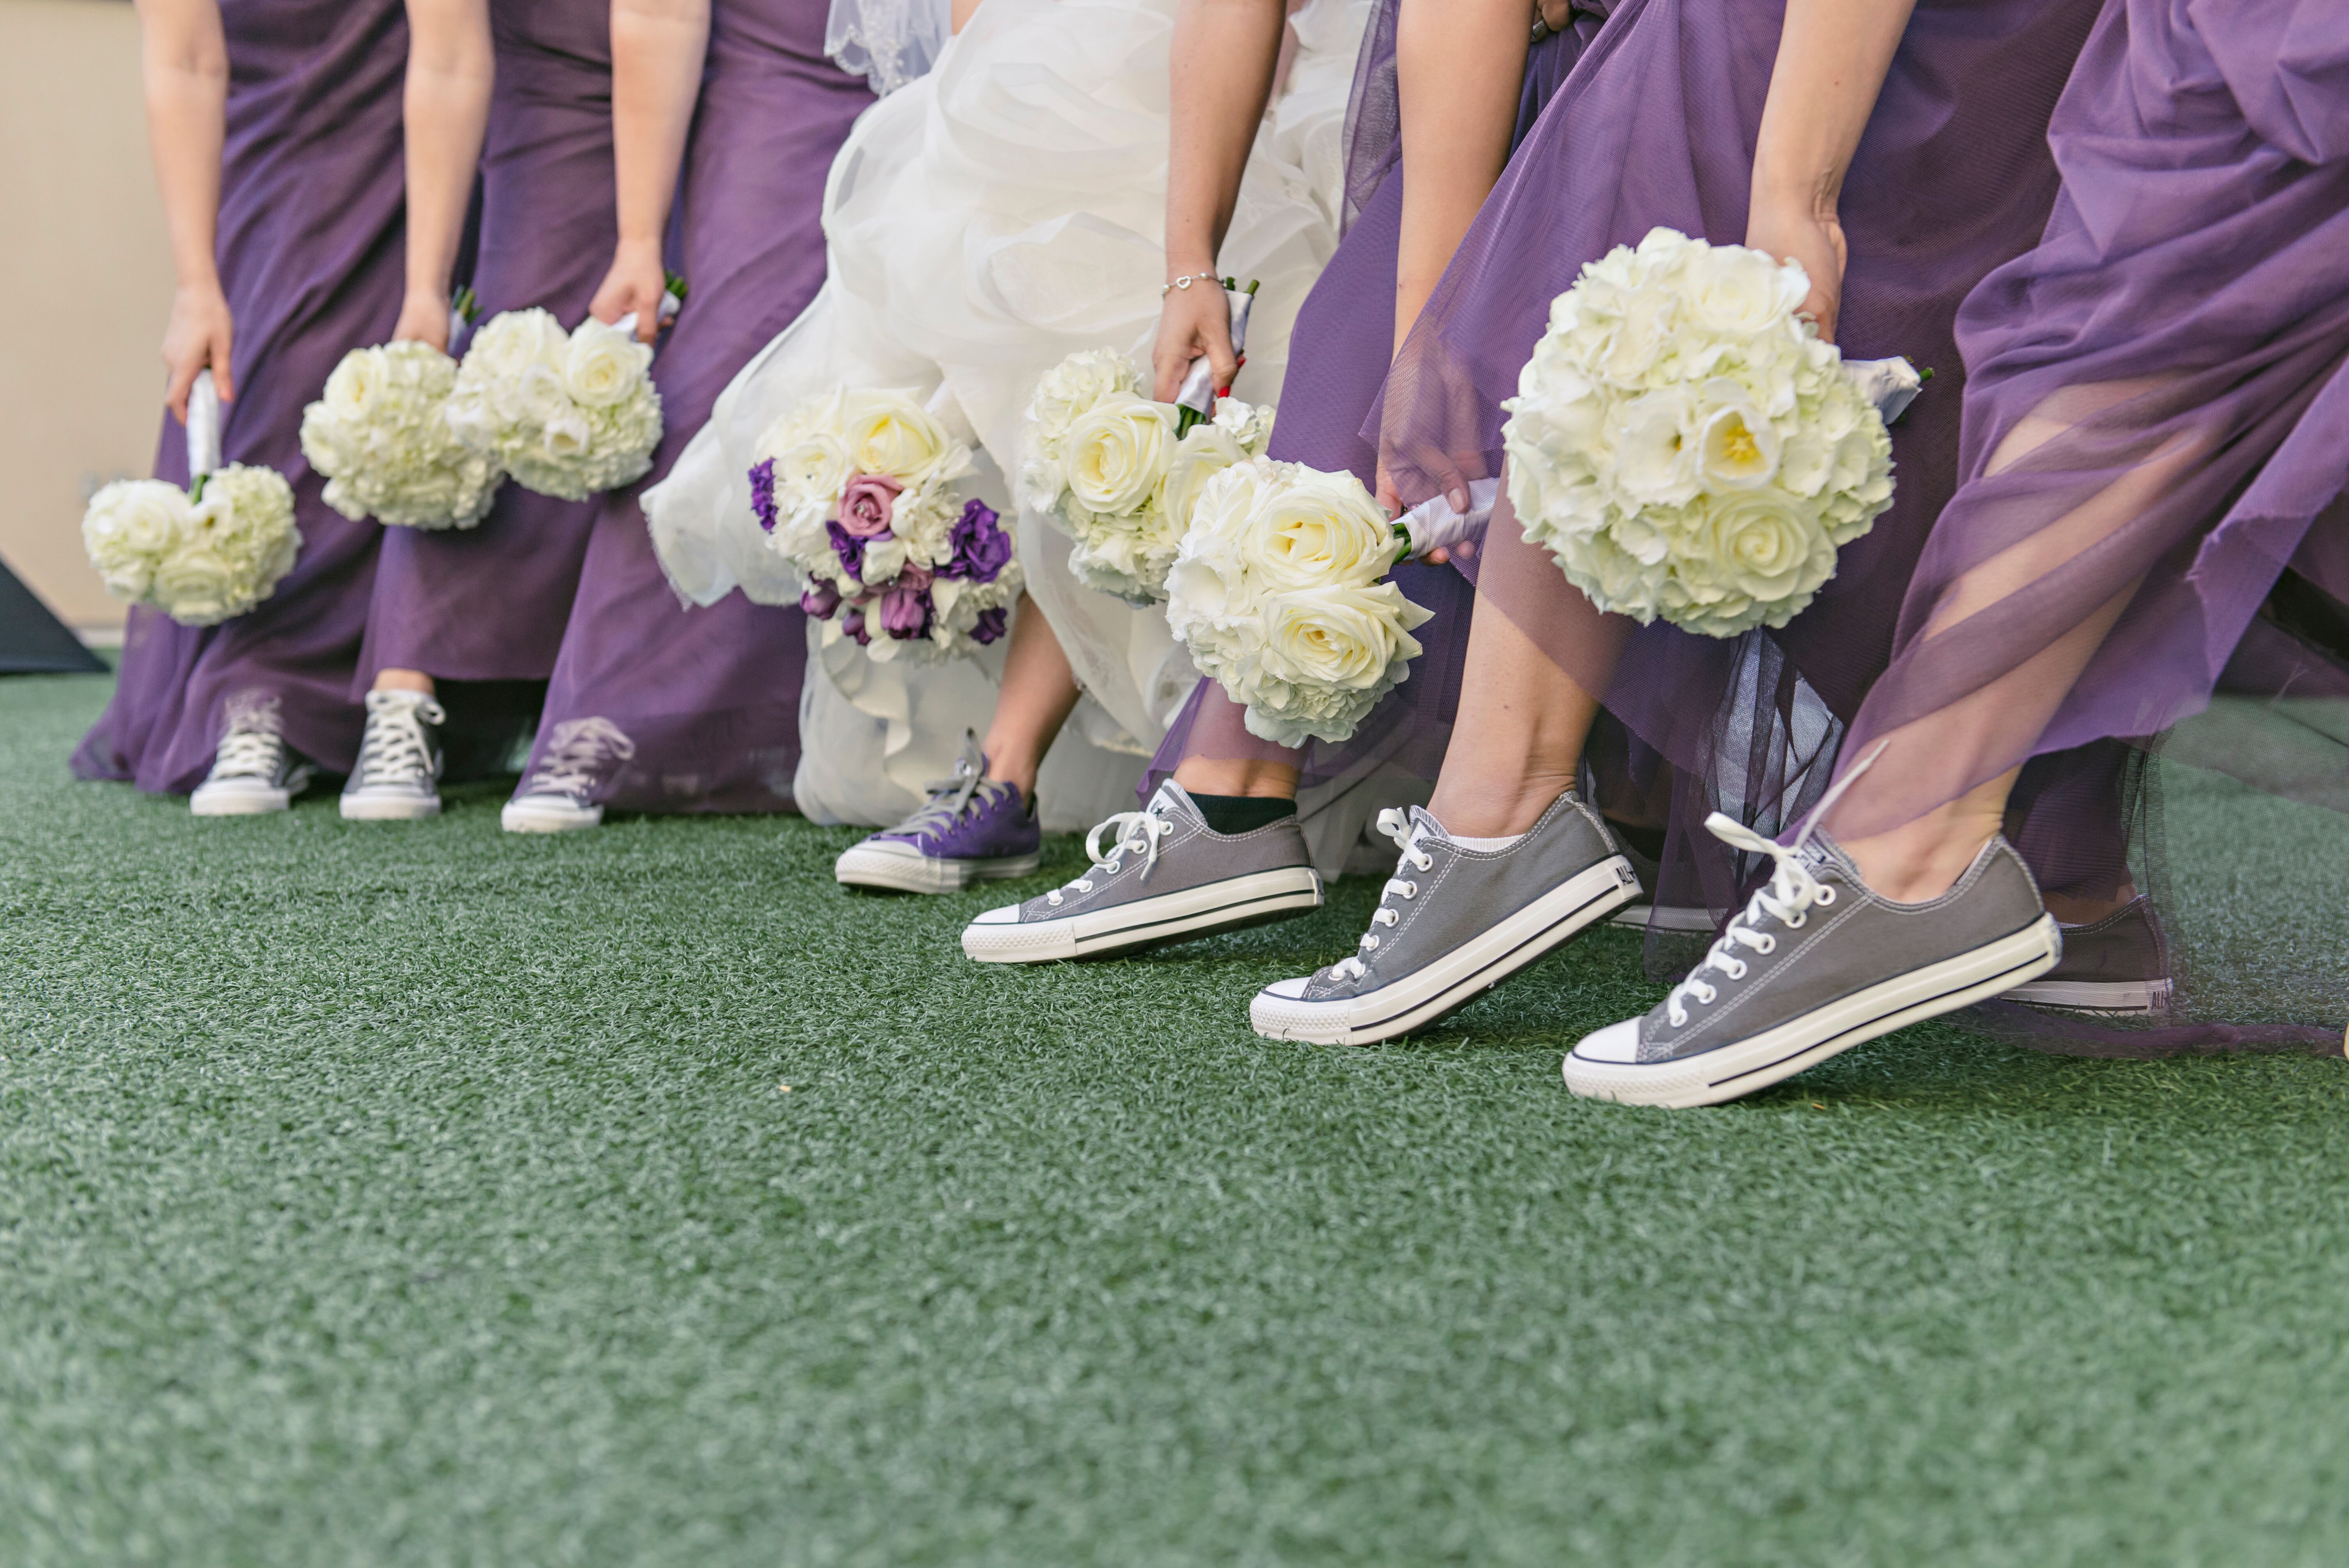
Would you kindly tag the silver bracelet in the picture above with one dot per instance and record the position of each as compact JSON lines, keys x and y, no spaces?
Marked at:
{"x":1185,"y":282}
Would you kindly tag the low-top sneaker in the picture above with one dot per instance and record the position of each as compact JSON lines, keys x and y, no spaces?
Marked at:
{"x":1160,"y":874}
{"x":399,"y":771}
{"x":1816,"y":964}
{"x":1453,"y":921}
{"x":2116,"y":964}
{"x":973,"y":828}
{"x":559,"y":795}
{"x":1644,"y":914}
{"x":254,"y":772}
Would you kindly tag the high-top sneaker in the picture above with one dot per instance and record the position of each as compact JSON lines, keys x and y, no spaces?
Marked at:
{"x":1813,"y":964}
{"x":973,"y":828}
{"x":1456,"y":919}
{"x":254,"y":772}
{"x":580,"y":759}
{"x":399,"y":771}
{"x":1160,"y":874}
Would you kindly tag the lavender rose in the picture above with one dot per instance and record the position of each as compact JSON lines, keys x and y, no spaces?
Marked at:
{"x":980,"y":549}
{"x":868,"y":503}
{"x":762,"y":493}
{"x":853,"y":625}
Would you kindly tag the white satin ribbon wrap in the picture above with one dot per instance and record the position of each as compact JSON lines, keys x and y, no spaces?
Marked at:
{"x":203,"y":427}
{"x":1198,"y":393}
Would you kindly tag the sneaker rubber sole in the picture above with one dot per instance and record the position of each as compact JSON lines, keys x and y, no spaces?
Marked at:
{"x":1696,"y":921}
{"x":1461,"y":976}
{"x":242,"y":803}
{"x":870,"y":865}
{"x":389,"y":807}
{"x":527,"y":816}
{"x":2095,"y":995}
{"x":1735,"y":1071}
{"x":1234,"y":904}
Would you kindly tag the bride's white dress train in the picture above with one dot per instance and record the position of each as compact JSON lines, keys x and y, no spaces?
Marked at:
{"x":984,"y":223}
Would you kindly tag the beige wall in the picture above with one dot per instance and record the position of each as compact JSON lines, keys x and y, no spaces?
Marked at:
{"x":88,"y":277}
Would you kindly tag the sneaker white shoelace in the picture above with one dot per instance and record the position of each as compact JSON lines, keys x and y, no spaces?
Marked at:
{"x":252,"y":751}
{"x":1396,"y":825}
{"x":575,"y":761}
{"x":1788,"y":897}
{"x":1129,"y":834}
{"x":394,"y":750}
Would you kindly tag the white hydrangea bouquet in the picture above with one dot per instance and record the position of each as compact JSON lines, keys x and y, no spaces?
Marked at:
{"x":200,"y":555}
{"x":1279,"y":592}
{"x":1108,"y":464}
{"x":565,"y":414}
{"x":1686,"y":448}
{"x":380,"y":437}
{"x":856,"y":489}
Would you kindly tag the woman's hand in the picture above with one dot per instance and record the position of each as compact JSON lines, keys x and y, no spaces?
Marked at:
{"x":198,"y":338}
{"x":636,"y":282}
{"x":423,"y":318}
{"x":1556,"y":15}
{"x":1192,"y":322}
{"x":1805,"y":230}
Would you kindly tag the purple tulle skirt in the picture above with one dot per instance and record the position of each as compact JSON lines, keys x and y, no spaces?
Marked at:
{"x":1338,"y":362}
{"x":2152,"y":527}
{"x":488,"y":603}
{"x":310,"y":254}
{"x":673,"y":708}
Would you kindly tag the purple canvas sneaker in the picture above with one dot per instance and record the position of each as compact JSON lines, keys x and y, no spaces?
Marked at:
{"x":975,"y":828}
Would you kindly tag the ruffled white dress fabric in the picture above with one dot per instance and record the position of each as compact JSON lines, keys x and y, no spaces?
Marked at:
{"x":984,"y":223}
{"x":888,"y":42}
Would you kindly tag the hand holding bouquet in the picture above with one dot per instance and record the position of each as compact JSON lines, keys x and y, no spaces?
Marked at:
{"x":856,"y":489}
{"x":381,"y":437}
{"x":1108,"y":464}
{"x":567,"y":414}
{"x":1686,"y":448}
{"x":200,"y":555}
{"x":1279,"y":591}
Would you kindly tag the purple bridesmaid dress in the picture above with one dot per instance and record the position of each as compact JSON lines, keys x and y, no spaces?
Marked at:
{"x":670,"y":708}
{"x":488,"y":603}
{"x":1338,"y":363}
{"x":1657,"y":126}
{"x":310,"y":255}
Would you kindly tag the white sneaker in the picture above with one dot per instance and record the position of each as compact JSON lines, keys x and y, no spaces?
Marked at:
{"x":253,"y":773}
{"x":399,"y":760}
{"x":560,"y":794}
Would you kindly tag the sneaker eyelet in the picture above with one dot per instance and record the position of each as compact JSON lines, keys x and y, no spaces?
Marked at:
{"x":1769,"y":945}
{"x":1796,"y":920}
{"x":1826,"y":896}
{"x":1738,"y":973}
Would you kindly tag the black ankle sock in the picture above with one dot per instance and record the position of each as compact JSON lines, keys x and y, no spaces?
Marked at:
{"x":1230,"y":814}
{"x":1648,"y":842}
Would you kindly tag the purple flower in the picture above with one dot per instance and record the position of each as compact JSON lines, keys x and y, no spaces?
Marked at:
{"x":849,"y":548}
{"x":988,"y":626}
{"x":980,"y":549}
{"x":853,"y":625}
{"x":868,"y":503}
{"x":819,"y":599}
{"x":905,"y":610}
{"x":762,"y":493}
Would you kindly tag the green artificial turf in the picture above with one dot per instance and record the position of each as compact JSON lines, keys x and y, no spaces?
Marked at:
{"x":420,"y":1195}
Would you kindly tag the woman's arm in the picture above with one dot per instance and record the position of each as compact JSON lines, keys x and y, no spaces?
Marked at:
{"x":1225,"y":52}
{"x":183,"y":68}
{"x":446,"y":111}
{"x":657,"y":47}
{"x":1832,"y":59}
{"x":959,"y":14}
{"x":1460,"y":67}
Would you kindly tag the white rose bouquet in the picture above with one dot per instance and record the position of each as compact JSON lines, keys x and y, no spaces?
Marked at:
{"x":1108,"y":464}
{"x":380,"y":437}
{"x":1685,"y":447}
{"x":567,"y":414}
{"x":1279,"y":591}
{"x":202,"y":554}
{"x":855,"y":488}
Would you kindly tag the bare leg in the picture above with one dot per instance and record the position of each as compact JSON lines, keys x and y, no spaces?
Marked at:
{"x":403,"y":680}
{"x":1238,"y":775}
{"x":1517,"y":743}
{"x":1040,"y":691}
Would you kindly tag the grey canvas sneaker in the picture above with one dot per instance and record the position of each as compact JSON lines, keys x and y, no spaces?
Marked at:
{"x":1815,"y":965}
{"x":1451,"y":924}
{"x":254,"y":771}
{"x":398,"y":772}
{"x":2116,"y":964}
{"x":1164,"y":876}
{"x":1643,"y":913}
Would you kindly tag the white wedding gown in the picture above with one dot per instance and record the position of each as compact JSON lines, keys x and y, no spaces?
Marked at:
{"x":984,"y":223}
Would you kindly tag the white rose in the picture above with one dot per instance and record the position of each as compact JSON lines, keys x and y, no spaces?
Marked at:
{"x":127,"y":529}
{"x":1206,"y":586}
{"x":197,"y":587}
{"x":1315,"y":528}
{"x":1763,"y":557}
{"x":1072,"y":388}
{"x":1198,"y":457}
{"x":1116,"y":454}
{"x":602,"y":365}
{"x":889,"y":433}
{"x":1733,"y":291}
{"x":356,"y":384}
{"x":1342,"y":637}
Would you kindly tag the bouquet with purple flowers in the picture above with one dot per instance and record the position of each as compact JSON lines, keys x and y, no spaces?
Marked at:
{"x":857,"y":490}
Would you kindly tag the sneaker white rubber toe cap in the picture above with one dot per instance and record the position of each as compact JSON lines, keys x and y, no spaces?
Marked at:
{"x":238,"y":798}
{"x":388,"y":806}
{"x":1615,"y":1043}
{"x":998,"y":937}
{"x":548,"y":814}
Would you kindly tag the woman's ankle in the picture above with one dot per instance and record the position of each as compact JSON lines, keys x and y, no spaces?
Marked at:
{"x":403,"y":680}
{"x":1495,"y":808}
{"x":1921,"y":861}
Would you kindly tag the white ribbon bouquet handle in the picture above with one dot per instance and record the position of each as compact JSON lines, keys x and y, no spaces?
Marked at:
{"x":203,"y":427}
{"x":1198,"y":392}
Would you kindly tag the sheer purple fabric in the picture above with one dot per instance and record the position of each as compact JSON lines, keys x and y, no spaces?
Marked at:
{"x":488,"y":603}
{"x":309,"y":248}
{"x":707,"y":700}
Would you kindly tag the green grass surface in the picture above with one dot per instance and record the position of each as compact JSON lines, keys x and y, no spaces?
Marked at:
{"x":417,"y":1195}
